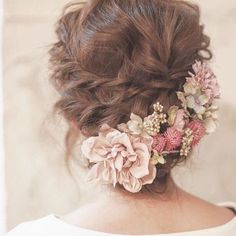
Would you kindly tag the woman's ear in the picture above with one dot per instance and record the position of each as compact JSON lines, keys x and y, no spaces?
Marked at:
{"x":73,"y":123}
{"x":74,"y":126}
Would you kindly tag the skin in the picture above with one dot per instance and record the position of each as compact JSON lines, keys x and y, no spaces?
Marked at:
{"x":121,"y":212}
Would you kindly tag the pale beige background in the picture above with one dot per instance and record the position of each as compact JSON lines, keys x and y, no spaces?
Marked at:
{"x":37,"y":183}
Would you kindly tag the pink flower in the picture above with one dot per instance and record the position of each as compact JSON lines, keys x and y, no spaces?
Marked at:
{"x":159,"y":142}
{"x":180,"y":120}
{"x":177,"y":118}
{"x":119,"y":158}
{"x":206,"y":78}
{"x":173,"y":138}
{"x":198,"y":129}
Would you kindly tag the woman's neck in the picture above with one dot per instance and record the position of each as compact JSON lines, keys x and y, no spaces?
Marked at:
{"x":170,"y":192}
{"x":123,"y":210}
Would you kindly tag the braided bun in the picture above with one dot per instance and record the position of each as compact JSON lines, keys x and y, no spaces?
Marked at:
{"x":114,"y":57}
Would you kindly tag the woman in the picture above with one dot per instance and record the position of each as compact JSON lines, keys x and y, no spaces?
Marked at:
{"x":137,"y":90}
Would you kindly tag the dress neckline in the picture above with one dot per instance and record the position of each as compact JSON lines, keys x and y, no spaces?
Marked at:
{"x":220,"y":228}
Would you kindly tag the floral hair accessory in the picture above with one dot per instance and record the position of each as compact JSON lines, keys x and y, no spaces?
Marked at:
{"x":128,"y":154}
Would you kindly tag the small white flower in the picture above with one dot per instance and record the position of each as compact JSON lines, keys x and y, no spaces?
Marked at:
{"x":211,"y":119}
{"x":157,"y":158}
{"x":135,"y":124}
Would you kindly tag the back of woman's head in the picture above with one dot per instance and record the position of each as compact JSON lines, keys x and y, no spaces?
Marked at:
{"x":116,"y":57}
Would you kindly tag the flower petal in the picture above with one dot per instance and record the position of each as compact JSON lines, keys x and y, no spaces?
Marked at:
{"x":203,"y":99}
{"x":132,"y":184}
{"x":140,"y":168}
{"x":119,"y":162}
{"x":122,"y":139}
{"x":134,"y":127}
{"x":180,"y":120}
{"x":89,"y":147}
{"x":136,"y":118}
{"x":210,"y":125}
{"x":172,"y":112}
{"x":94,"y":171}
{"x":123,"y":127}
{"x":148,"y":179}
{"x":190,"y":88}
{"x":161,"y":160}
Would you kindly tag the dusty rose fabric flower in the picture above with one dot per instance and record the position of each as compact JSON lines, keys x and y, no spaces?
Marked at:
{"x":200,"y":89}
{"x":197,"y":102}
{"x":198,"y":129}
{"x":159,"y":142}
{"x":119,"y":158}
{"x":207,"y":79}
{"x":180,"y":120}
{"x":173,"y":138}
{"x":177,"y":118}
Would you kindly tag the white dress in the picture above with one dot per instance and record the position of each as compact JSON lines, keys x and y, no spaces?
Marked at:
{"x":51,"y":225}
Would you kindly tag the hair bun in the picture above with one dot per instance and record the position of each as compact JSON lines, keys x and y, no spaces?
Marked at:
{"x":117,"y":57}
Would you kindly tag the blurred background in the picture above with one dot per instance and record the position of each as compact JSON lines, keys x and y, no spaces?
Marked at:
{"x":36,"y":179}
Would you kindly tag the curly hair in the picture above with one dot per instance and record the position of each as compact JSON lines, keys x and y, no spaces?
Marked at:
{"x":114,"y":57}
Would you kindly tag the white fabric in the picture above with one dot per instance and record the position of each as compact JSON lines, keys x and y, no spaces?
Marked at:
{"x":51,"y":225}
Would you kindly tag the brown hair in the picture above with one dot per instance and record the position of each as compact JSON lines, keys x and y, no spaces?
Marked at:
{"x":114,"y":57}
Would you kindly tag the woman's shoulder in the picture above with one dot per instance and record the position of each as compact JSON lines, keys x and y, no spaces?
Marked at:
{"x":40,"y":227}
{"x":206,"y":214}
{"x":51,"y":225}
{"x":48,"y":225}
